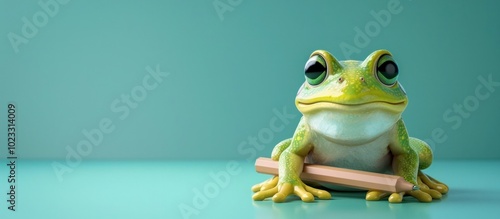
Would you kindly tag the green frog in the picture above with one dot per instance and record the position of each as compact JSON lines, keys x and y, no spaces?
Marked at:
{"x":351,"y":118}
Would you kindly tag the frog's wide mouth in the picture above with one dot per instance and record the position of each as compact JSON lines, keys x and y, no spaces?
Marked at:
{"x":384,"y":105}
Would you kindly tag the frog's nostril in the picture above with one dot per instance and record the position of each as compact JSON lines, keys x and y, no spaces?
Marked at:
{"x":341,"y":79}
{"x":362,"y":79}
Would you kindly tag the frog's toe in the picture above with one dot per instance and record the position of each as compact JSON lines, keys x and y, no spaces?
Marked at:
{"x":396,"y":197}
{"x":321,"y":194}
{"x":432,"y":183}
{"x":261,"y":195}
{"x":285,"y":190}
{"x":442,"y":188}
{"x":256,"y":187}
{"x":271,"y":183}
{"x":433,"y":193}
{"x":425,"y":188}
{"x":375,"y":195}
{"x":303,"y":194}
{"x":439,"y":186}
{"x":420,"y":195}
{"x":266,"y":185}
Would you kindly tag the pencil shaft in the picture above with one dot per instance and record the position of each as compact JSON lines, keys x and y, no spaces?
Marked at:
{"x":341,"y":176}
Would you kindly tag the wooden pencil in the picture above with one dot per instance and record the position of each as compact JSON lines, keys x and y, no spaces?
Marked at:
{"x":341,"y":176}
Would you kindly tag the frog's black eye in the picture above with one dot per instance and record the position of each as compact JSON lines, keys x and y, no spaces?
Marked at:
{"x":387,"y":70}
{"x":315,"y":70}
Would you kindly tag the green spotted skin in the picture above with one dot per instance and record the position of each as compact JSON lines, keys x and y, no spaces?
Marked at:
{"x":359,"y":83}
{"x":300,"y":145}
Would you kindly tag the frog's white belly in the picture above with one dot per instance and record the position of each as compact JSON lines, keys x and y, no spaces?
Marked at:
{"x":354,"y":138}
{"x":373,"y":156}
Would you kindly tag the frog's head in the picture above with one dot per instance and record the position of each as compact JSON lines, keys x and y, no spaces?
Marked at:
{"x":351,"y":101}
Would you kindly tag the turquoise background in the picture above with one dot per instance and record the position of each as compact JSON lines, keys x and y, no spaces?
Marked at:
{"x":232,"y":78}
{"x":227,"y":75}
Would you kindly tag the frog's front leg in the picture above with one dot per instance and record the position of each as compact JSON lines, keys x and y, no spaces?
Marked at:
{"x":291,"y":162}
{"x":288,"y":182}
{"x":277,"y":150}
{"x":425,"y":182}
{"x":405,"y":163}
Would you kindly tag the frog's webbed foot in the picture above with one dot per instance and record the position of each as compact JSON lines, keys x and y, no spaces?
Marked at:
{"x":279,"y":192}
{"x":428,"y":182}
{"x":430,"y":189}
{"x":374,"y":195}
{"x":397,"y":197}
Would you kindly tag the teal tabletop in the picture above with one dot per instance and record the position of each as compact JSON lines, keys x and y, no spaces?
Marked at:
{"x":221,"y":189}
